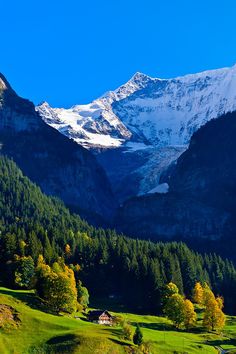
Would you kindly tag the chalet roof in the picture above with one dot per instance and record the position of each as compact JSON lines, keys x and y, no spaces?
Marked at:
{"x":98,"y":313}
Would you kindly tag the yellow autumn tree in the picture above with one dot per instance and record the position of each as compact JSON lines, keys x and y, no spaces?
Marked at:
{"x":220,"y":301}
{"x":62,"y":291}
{"x":198,"y":293}
{"x":208,"y":294}
{"x":40,"y":261}
{"x":67,"y":250}
{"x":190,"y":315}
{"x":22,"y":246}
{"x":170,"y":289}
{"x":56,"y":285}
{"x":42,"y":267}
{"x":214,"y":318}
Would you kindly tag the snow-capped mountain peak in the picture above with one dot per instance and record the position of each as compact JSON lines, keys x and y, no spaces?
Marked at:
{"x":153,"y":111}
{"x":151,"y":119}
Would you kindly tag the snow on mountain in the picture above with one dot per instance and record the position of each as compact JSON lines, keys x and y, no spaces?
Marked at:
{"x":162,"y":188}
{"x":160,"y":112}
{"x":150,"y":118}
{"x":167,"y":112}
{"x":95,"y":124}
{"x":86,"y":124}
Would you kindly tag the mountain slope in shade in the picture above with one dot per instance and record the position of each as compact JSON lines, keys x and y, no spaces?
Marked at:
{"x":149,"y":120}
{"x":201,"y":201}
{"x":58,"y":165}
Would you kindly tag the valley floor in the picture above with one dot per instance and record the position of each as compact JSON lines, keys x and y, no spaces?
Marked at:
{"x":39,"y":332}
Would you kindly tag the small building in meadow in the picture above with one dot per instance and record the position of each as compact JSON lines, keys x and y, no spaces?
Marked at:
{"x":100,"y":317}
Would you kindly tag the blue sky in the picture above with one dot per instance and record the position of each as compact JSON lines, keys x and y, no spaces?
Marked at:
{"x":72,"y":51}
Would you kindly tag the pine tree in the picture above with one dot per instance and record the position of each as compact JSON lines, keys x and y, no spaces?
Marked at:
{"x":35,"y":247}
{"x":176,"y":275}
{"x":48,"y":251}
{"x":138,"y":336}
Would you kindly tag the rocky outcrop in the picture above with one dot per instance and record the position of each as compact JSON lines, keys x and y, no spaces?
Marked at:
{"x":16,"y":114}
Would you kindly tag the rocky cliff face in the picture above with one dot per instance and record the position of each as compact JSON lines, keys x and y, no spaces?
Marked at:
{"x":206,"y":170}
{"x":171,"y":216}
{"x":201,"y":202}
{"x":58,"y":165}
{"x":16,"y":114}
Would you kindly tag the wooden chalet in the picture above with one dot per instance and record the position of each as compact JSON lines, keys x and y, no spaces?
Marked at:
{"x":100,"y":317}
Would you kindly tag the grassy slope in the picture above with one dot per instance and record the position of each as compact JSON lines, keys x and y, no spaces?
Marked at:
{"x":41,"y":332}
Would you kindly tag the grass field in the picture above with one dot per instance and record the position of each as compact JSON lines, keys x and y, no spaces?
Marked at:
{"x":40,"y":332}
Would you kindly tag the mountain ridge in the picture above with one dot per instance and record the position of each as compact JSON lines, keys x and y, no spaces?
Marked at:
{"x":116,"y":113}
{"x":150,"y":120}
{"x":59,"y":166}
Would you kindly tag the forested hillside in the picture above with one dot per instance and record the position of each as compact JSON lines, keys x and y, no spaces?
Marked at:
{"x":131,"y":272}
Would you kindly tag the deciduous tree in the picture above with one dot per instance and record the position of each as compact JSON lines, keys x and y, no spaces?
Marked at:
{"x":190,"y":315}
{"x":56,"y":285}
{"x":127,"y":331}
{"x":169,"y":290}
{"x":175,"y":309}
{"x":198,"y":293}
{"x":214,"y":318}
{"x":82,"y":295}
{"x":24,"y":271}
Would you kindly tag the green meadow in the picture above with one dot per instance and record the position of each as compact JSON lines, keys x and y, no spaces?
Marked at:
{"x":40,"y":332}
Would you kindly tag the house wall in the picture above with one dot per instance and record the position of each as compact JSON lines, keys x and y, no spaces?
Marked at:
{"x":104,"y":322}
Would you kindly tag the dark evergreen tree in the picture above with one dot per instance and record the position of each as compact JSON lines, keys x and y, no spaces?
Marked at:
{"x":138,"y":336}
